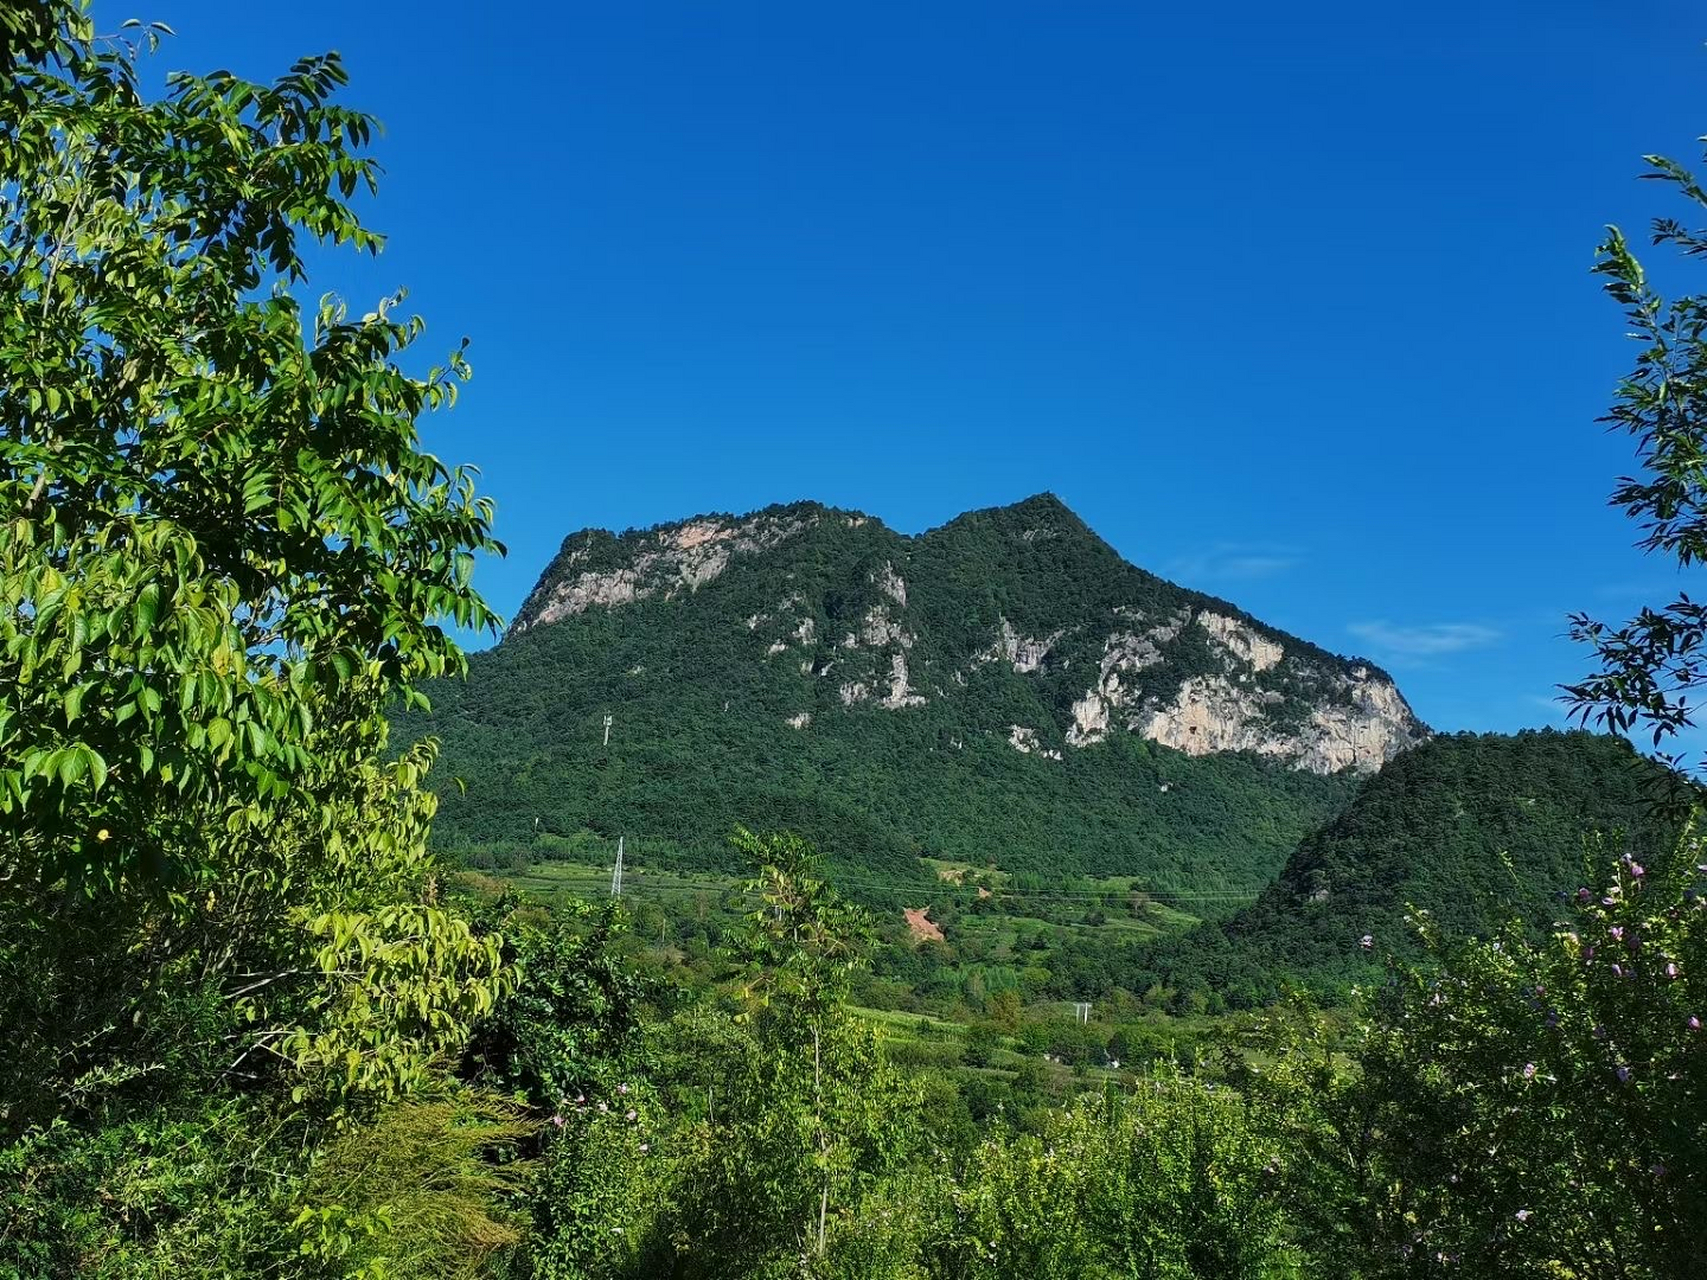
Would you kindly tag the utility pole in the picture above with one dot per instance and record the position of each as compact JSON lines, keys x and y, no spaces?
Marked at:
{"x":607,"y":728}
{"x":616,"y":874}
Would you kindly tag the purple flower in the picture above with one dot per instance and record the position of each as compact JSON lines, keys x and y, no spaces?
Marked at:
{"x":1657,"y":1169}
{"x":1617,"y":971}
{"x":1529,"y":1071}
{"x":1599,"y":1032}
{"x":1623,"y":1075}
{"x":1522,"y":1215}
{"x":1583,"y":895}
{"x":1607,"y":902}
{"x":1636,"y":869}
{"x":1694,"y":1023}
{"x":557,"y":1120}
{"x":1588,"y":952}
{"x":1671,"y":971}
{"x":1617,"y":931}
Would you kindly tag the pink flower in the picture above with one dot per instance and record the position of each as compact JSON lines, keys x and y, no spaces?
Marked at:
{"x":1671,"y":971}
{"x":557,"y":1120}
{"x":1636,"y":869}
{"x":1529,"y":1071}
{"x":1617,"y":931}
{"x":1694,"y":1023}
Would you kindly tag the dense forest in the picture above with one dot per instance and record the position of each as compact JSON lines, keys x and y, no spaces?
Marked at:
{"x":256,"y":1027}
{"x":1473,"y":830}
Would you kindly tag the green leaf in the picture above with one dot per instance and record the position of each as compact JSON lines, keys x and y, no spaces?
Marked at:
{"x":147,"y":609}
{"x":73,"y":765}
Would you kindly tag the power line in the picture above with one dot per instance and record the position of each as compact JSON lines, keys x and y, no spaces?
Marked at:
{"x":640,"y":882}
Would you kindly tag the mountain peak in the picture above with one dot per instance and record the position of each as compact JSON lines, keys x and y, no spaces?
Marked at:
{"x":1040,"y":512}
{"x":860,"y":616}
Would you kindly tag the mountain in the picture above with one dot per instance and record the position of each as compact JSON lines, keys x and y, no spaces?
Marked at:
{"x":1476,"y":829}
{"x":1004,"y":688}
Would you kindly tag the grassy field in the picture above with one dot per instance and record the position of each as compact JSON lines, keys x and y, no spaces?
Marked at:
{"x":937,"y":1016}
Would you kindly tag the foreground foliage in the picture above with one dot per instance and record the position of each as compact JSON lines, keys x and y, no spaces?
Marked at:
{"x":222,"y":552}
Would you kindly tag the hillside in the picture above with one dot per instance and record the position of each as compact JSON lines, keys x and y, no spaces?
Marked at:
{"x":1002,"y":689}
{"x":1477,"y":829}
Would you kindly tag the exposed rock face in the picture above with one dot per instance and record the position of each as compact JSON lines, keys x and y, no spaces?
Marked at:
{"x":900,"y":691}
{"x":672,"y":559}
{"x":1364,"y":731}
{"x":1022,"y":653}
{"x":1358,"y":720}
{"x":1241,"y":641}
{"x":892,"y":584}
{"x":1024,"y":739}
{"x":1124,"y":655}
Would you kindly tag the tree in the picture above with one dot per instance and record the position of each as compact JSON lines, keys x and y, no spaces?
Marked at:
{"x":808,"y":1116}
{"x":1527,"y":1107}
{"x":223,"y":553}
{"x":1649,"y":665}
{"x":803,"y":948}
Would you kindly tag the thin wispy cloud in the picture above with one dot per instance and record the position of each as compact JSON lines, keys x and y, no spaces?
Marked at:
{"x":1424,"y":640}
{"x":1233,"y":562}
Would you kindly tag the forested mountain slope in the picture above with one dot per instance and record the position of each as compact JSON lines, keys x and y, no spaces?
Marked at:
{"x":1475,"y":829}
{"x":1002,"y":689}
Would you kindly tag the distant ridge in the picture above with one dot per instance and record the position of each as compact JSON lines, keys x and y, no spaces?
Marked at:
{"x":1475,"y":829}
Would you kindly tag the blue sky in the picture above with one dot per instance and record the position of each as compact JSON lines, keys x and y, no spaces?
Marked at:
{"x":1291,"y":303}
